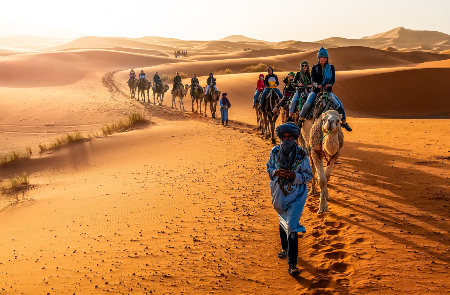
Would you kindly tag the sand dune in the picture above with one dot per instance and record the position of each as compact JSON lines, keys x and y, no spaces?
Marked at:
{"x":412,"y":36}
{"x":402,"y":93}
{"x":245,"y":54}
{"x":143,"y":211}
{"x":62,"y":68}
{"x":240,"y":38}
{"x":108,"y":42}
{"x":345,"y":58}
{"x":435,"y":64}
{"x":227,"y":46}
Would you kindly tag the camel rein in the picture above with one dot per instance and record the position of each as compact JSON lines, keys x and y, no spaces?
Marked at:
{"x":306,"y":152}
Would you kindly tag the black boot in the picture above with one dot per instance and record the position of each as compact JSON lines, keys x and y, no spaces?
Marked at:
{"x":346,"y":127}
{"x":300,"y":124}
{"x":227,"y":122}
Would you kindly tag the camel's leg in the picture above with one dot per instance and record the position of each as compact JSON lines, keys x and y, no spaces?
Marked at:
{"x":193,"y":104}
{"x":173,"y":102}
{"x":266,"y":125}
{"x":318,"y":162}
{"x":181,"y":103}
{"x":272,"y":129}
{"x":206,"y":103}
{"x":314,"y":175}
{"x":330,"y":167}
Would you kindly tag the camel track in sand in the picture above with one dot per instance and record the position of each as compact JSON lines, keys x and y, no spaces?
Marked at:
{"x":113,"y":88}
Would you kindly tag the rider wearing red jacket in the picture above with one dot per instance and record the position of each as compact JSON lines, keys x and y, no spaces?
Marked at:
{"x":260,"y":85}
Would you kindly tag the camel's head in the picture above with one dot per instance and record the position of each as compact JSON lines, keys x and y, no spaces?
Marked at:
{"x":186,"y":87}
{"x":331,"y":121}
{"x":166,"y":88}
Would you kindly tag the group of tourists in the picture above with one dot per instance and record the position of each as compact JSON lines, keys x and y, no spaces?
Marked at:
{"x":305,"y":82}
{"x":195,"y":85}
{"x":180,"y":53}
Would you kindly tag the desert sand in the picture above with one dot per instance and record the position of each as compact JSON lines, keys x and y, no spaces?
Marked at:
{"x":182,"y":205}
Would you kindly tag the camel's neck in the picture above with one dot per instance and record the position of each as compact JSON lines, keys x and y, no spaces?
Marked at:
{"x":331,"y":143}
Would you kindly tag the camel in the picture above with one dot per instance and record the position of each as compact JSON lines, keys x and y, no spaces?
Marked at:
{"x":212,"y":97}
{"x":159,"y":93}
{"x":198,"y":95}
{"x":329,"y":149}
{"x":133,"y":84}
{"x":259,"y":114}
{"x":179,"y":92}
{"x":284,"y":113}
{"x":143,"y":86}
{"x":270,"y":118}
{"x":259,"y":117}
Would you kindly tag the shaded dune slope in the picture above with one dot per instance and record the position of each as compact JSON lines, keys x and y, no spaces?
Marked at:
{"x":62,"y":68}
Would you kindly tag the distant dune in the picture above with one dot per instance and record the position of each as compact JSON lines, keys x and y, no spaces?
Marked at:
{"x":62,"y":68}
{"x":108,"y":42}
{"x":225,"y":46}
{"x":239,"y":38}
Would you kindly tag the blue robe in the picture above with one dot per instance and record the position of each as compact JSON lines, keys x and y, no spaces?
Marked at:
{"x":290,"y":207}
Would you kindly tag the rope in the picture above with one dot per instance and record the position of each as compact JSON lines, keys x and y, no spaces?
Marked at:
{"x":299,"y":162}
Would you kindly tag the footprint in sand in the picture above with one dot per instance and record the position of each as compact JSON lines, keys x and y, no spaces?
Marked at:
{"x":341,"y":267}
{"x":338,"y":245}
{"x":337,"y":255}
{"x":320,"y":283}
{"x":332,"y":232}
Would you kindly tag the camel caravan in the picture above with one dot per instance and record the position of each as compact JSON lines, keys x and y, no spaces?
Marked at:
{"x":199,"y":95}
{"x":307,"y":101}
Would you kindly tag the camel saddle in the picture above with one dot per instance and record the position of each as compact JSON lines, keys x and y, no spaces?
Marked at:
{"x":322,"y":104}
{"x":158,"y":87}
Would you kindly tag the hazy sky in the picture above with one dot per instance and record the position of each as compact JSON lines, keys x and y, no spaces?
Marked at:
{"x":208,"y":20}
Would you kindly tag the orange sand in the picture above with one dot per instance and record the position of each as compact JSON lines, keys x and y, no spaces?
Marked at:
{"x":182,"y":206}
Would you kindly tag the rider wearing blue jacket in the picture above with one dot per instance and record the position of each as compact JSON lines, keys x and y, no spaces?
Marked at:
{"x":323,"y":76}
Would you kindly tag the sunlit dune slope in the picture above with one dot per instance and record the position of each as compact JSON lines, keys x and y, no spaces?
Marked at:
{"x":245,"y":54}
{"x":435,"y":64}
{"x":345,"y":58}
{"x":108,"y":42}
{"x":62,"y":68}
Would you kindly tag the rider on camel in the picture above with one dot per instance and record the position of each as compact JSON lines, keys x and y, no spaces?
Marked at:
{"x":259,"y":88}
{"x":323,"y":78}
{"x":209,"y":81}
{"x":132,"y":76}
{"x":176,"y":81}
{"x":157,"y":81}
{"x":271,"y":82}
{"x":288,"y":91}
{"x":194,"y":84}
{"x":303,"y":81}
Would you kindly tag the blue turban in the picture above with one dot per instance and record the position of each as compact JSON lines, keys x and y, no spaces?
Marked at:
{"x":289,"y":128}
{"x":322,"y":53}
